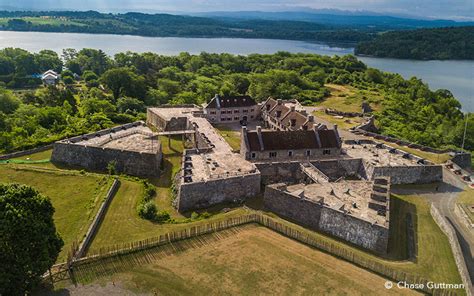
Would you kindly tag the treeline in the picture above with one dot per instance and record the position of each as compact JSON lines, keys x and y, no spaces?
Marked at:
{"x":97,"y":92}
{"x":165,"y":25}
{"x":424,"y":44}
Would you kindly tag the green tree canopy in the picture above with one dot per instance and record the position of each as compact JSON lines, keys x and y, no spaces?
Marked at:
{"x":30,"y":243}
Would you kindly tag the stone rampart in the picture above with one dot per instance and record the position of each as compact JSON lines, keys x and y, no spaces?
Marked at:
{"x":26,"y":152}
{"x":97,"y":158}
{"x":232,"y":189}
{"x":319,"y":216}
{"x":338,"y":168}
{"x":420,"y":174}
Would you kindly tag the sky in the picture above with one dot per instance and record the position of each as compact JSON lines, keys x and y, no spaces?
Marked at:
{"x":445,"y":9}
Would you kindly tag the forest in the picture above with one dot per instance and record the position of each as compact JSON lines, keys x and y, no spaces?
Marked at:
{"x":97,"y":91}
{"x":456,"y":43}
{"x":166,"y":25}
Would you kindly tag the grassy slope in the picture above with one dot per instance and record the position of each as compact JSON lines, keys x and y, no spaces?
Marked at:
{"x":466,"y":198}
{"x":349,"y":99}
{"x":251,"y":260}
{"x":76,"y":198}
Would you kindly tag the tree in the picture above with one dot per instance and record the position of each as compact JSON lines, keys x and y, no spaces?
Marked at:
{"x":8,"y":102}
{"x":30,"y":244}
{"x":124,"y":81}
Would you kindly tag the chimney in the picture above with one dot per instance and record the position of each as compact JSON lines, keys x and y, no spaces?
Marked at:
{"x":316,"y":134}
{"x":311,"y":118}
{"x":338,"y":138}
{"x":292,"y":108}
{"x":279,"y":102}
{"x":260,"y":139}
{"x":218,"y":102}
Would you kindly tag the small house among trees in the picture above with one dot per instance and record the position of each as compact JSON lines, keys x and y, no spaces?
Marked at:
{"x":50,"y":77}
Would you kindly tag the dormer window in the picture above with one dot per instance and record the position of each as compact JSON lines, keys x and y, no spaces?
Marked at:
{"x":268,"y":107}
{"x":293,"y":122}
{"x":278,"y":113}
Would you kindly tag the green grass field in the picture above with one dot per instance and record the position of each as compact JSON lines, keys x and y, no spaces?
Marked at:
{"x":466,"y":199}
{"x":349,"y":99}
{"x":231,"y":136}
{"x":249,"y":260}
{"x":45,"y":21}
{"x":76,"y":198}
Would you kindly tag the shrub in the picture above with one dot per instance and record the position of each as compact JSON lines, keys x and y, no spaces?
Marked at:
{"x":162,"y":216}
{"x":147,"y":210}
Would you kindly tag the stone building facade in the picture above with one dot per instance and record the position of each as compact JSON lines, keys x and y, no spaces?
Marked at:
{"x":283,"y":115}
{"x":227,"y":109}
{"x":303,"y":145}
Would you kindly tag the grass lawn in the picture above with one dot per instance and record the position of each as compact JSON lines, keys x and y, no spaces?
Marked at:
{"x":76,"y":198}
{"x":344,"y":123}
{"x":250,"y":260}
{"x":434,"y":261}
{"x":231,"y":136}
{"x":466,"y":199}
{"x":349,"y":99}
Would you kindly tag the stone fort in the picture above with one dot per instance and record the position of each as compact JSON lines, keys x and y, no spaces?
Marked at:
{"x":305,"y":171}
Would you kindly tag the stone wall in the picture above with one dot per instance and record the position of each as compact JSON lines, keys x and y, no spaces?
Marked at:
{"x":26,"y":152}
{"x":94,"y":227}
{"x":421,"y":174}
{"x":450,"y":232}
{"x":352,"y":229}
{"x":300,"y":210}
{"x":280,"y":172}
{"x":320,"y":217}
{"x":198,"y":195}
{"x":338,"y":168}
{"x":462,"y":159}
{"x":97,"y":159}
{"x":173,"y":124}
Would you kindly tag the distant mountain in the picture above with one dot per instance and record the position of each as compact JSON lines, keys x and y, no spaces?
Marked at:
{"x":364,"y":19}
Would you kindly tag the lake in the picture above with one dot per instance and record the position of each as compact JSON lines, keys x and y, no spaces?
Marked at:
{"x":457,"y":76}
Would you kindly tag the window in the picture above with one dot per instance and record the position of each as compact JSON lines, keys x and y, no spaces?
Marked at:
{"x":290,"y":153}
{"x":237,"y":111}
{"x":293,"y":122}
{"x":308,"y":152}
{"x":213,"y":112}
{"x":268,"y":107}
{"x":245,"y":111}
{"x":326,"y":151}
{"x":253,"y":155}
{"x":251,"y":116}
{"x":251,"y":110}
{"x":273,"y":154}
{"x":278,"y":113}
{"x":236,"y":118}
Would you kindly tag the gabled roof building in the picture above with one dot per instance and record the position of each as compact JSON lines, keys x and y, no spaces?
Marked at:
{"x":226,"y":109}
{"x":274,"y":145}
